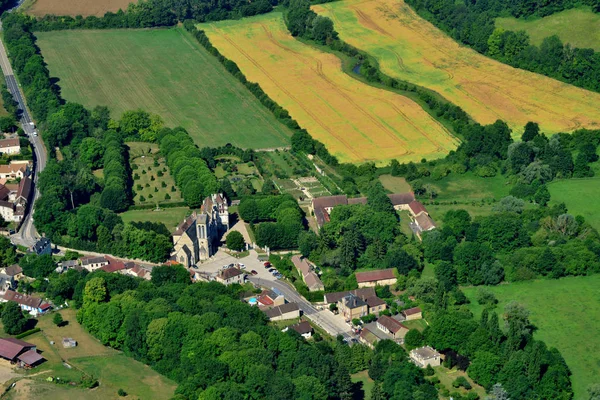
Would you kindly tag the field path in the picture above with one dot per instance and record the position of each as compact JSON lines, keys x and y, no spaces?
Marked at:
{"x":409,"y":48}
{"x":355,"y":121}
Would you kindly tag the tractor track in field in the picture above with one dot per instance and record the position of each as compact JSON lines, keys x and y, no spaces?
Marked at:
{"x":287,"y":92}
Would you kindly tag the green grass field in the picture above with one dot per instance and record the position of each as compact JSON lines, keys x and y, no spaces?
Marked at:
{"x":163,"y":71}
{"x":579,"y":27}
{"x":112,"y":369}
{"x":367,"y":383}
{"x":579,"y":195}
{"x":567,"y":314}
{"x":171,"y":217}
{"x":395,"y":184}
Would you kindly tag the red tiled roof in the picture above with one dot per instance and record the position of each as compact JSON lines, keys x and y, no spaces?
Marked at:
{"x":265,"y":300}
{"x":411,"y":311}
{"x":22,"y":299}
{"x":182,"y":227}
{"x":10,"y":347}
{"x":24,"y":188}
{"x":4,"y":192}
{"x":401,"y":198}
{"x":30,"y":357}
{"x":372,"y":276}
{"x":417,"y":207}
{"x":4,"y":143}
{"x":390,"y":323}
{"x":301,"y":264}
{"x":374,"y":301}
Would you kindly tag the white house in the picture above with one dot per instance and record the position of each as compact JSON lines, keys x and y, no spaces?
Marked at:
{"x":10,"y":146}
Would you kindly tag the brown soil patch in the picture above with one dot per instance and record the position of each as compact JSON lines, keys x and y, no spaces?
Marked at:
{"x":77,"y":7}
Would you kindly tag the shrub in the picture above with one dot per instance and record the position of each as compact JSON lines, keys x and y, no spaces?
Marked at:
{"x":122,"y":393}
{"x":57,"y":319}
{"x":461,"y":381}
{"x":486,"y":297}
{"x":159,"y":173}
{"x":167,"y":197}
{"x":142,"y":198}
{"x":163,"y":184}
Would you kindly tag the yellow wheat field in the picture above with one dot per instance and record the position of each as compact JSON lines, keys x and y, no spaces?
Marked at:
{"x":410,"y":48}
{"x":356,"y":122}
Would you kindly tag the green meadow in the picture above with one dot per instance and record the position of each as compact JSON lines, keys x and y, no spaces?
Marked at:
{"x":165,"y":72}
{"x":566,"y":314}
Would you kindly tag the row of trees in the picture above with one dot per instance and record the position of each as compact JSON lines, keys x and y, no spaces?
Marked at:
{"x":473,"y":23}
{"x":187,"y":166}
{"x":154,"y":13}
{"x":116,"y":194}
{"x":205,"y":339}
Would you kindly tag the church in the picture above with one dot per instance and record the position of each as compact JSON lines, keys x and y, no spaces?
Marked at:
{"x":197,"y":237}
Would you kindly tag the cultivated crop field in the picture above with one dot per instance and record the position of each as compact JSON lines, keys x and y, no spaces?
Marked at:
{"x":578,"y":27}
{"x":566,"y":313}
{"x":39,"y":8}
{"x":410,"y":48}
{"x":163,"y":71}
{"x":355,"y":121}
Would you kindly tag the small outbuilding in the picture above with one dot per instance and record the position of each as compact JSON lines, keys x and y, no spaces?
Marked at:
{"x":69,"y":342}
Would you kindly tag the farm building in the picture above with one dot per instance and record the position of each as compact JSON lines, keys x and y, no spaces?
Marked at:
{"x":413,"y":313}
{"x":282,"y":312}
{"x":309,"y":276}
{"x":18,"y":351}
{"x":425,"y":356}
{"x":380,"y":277}
{"x":392,"y":327}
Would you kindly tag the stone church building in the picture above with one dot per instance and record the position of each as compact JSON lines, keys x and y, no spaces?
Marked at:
{"x":197,"y":237}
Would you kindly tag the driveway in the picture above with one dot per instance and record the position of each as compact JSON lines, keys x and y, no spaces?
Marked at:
{"x":221,"y":258}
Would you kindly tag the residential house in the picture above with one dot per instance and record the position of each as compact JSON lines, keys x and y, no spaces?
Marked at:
{"x":270,"y":298}
{"x":421,"y":221}
{"x":9,"y":212}
{"x":303,"y":328}
{"x":392,"y":327}
{"x":283,"y":312}
{"x":368,"y":338}
{"x":4,"y":193}
{"x":311,"y":279}
{"x":380,"y":277}
{"x":64,"y":266}
{"x":15,"y":170}
{"x":197,"y":237}
{"x":138,"y":272}
{"x":34,"y":305}
{"x":228,"y":276}
{"x":42,"y":247}
{"x":10,"y":146}
{"x":376,"y":305}
{"x":93,"y":263}
{"x":18,"y":351}
{"x":116,"y":265}
{"x":413,"y":313}
{"x":424,"y":356}
{"x":321,"y":206}
{"x":15,"y":271}
{"x":363,"y":293}
{"x":352,"y":306}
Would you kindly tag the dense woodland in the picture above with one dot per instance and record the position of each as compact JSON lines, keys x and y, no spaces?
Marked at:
{"x":473,"y":23}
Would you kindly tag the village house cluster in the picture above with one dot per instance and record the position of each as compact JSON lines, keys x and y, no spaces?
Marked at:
{"x":421,"y":221}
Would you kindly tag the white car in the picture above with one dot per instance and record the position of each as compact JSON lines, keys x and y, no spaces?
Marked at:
{"x":242,"y":266}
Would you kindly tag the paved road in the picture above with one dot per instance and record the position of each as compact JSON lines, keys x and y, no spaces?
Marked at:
{"x":334,"y":325}
{"x":27,"y":234}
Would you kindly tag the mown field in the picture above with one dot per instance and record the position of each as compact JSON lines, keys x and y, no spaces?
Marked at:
{"x":171,"y":217}
{"x":39,"y":8}
{"x":163,"y":71}
{"x":578,"y":27}
{"x":410,"y":48}
{"x":356,"y":122}
{"x":566,"y":313}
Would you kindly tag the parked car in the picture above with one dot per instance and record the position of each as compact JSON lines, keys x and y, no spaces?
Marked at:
{"x":271,"y":269}
{"x":242,"y":266}
{"x":253,"y":272}
{"x":267,"y":264}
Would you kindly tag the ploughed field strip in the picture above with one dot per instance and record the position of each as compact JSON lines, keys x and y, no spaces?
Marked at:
{"x":356,"y":122}
{"x":165,"y":72}
{"x":409,"y":48}
{"x":77,"y":7}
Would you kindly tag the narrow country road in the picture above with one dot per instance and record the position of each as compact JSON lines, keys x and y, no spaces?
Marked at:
{"x":27,"y":235}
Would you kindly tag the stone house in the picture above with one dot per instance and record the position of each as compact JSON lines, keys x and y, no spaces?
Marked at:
{"x":376,"y":305}
{"x":283,"y":312}
{"x":311,"y":279}
{"x":413,"y":313}
{"x":392,"y":327}
{"x":228,"y":276}
{"x":10,"y":146}
{"x":425,"y":356}
{"x":352,"y":307}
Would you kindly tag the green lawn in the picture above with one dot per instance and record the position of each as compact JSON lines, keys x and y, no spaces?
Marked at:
{"x":418,"y":324}
{"x":163,"y":71}
{"x":567,"y":314}
{"x":580,"y":197}
{"x":395,"y":184}
{"x":367,"y":383}
{"x":147,"y":184}
{"x":171,"y":217}
{"x":578,"y":27}
{"x":447,"y":376}
{"x":469,"y":187}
